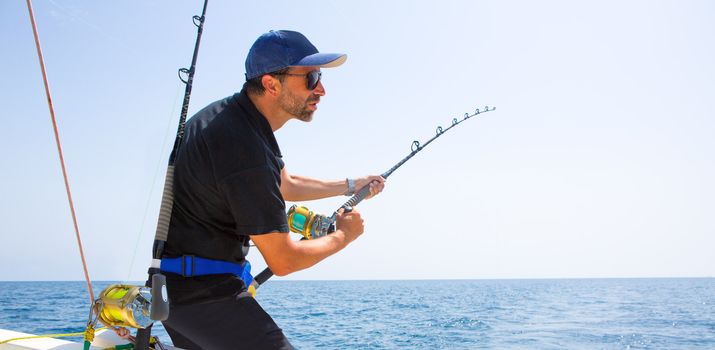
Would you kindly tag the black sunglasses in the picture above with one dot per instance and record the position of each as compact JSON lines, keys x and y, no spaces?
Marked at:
{"x":312,"y":78}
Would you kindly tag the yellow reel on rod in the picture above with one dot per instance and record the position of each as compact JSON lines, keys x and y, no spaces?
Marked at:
{"x":302,"y":220}
{"x":309,"y":223}
{"x":125,"y":305}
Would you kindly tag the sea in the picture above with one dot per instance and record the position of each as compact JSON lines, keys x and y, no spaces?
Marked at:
{"x":667,"y":313}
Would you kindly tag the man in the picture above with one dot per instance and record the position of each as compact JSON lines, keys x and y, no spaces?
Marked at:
{"x":230,"y":185}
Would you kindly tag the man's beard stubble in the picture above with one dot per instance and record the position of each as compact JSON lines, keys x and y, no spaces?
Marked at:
{"x":295,"y":107}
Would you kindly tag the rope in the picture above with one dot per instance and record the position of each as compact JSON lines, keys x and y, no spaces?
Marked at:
{"x":59,"y":149}
{"x":58,"y":335}
{"x":85,"y":333}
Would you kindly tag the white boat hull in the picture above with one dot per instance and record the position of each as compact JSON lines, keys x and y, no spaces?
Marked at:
{"x":103,"y":339}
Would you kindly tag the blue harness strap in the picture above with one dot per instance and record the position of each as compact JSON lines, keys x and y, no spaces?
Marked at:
{"x":190,"y":266}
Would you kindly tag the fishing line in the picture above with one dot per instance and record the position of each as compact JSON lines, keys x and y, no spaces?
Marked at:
{"x":313,"y":225}
{"x":164,"y":145}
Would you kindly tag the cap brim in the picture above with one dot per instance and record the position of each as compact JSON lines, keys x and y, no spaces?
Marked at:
{"x":323,"y":60}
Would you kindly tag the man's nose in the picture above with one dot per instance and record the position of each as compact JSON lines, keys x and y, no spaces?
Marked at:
{"x":319,"y":89}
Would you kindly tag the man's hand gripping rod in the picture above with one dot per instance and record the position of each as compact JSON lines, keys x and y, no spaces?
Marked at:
{"x":320,"y":225}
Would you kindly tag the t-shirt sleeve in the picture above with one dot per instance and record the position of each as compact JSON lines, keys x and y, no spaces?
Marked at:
{"x":255,"y":200}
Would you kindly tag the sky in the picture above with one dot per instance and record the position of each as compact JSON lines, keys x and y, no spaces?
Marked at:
{"x":598,"y":161}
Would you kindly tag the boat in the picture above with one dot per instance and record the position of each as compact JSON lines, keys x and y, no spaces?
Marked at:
{"x":104,"y":339}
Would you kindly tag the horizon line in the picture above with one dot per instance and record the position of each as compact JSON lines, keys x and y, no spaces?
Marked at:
{"x":421,"y":279}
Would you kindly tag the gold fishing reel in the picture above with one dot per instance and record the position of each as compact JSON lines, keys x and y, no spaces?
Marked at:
{"x":124,"y":306}
{"x":308,"y":223}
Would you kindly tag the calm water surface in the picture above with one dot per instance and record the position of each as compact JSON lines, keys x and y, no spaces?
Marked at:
{"x":468,"y":314}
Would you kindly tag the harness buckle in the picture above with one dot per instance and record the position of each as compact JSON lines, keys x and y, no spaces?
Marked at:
{"x":191,"y":267}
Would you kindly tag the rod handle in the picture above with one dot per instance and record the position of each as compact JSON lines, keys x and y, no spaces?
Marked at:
{"x":357,"y":198}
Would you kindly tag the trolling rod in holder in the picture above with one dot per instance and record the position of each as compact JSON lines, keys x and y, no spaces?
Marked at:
{"x":159,"y":310}
{"x":158,"y":284}
{"x":312,"y":225}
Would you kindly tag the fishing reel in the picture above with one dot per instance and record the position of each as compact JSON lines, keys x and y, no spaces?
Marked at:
{"x":309,"y":224}
{"x":122,"y":305}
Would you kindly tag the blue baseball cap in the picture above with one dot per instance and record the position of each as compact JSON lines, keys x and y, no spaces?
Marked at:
{"x":280,"y":49}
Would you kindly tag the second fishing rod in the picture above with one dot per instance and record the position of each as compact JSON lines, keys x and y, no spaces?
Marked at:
{"x":312,"y":225}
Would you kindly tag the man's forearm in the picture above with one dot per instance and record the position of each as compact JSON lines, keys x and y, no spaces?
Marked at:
{"x":310,"y":252}
{"x":285,"y":256}
{"x":301,"y":188}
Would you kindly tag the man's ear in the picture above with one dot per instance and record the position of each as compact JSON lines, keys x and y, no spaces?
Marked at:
{"x":271,"y":85}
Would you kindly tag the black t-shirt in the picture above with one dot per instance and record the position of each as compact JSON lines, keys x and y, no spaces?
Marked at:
{"x":226,"y":187}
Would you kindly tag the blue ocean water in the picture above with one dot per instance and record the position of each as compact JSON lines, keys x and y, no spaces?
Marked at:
{"x":461,"y":314}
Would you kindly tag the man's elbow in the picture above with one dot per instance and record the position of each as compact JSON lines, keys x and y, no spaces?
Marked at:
{"x":282,"y":255}
{"x":285,"y":267}
{"x":288,"y":189}
{"x":281,"y":270}
{"x":282,"y":267}
{"x":287,"y":194}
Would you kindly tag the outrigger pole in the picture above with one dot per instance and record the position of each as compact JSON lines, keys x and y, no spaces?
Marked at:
{"x":59,"y":150}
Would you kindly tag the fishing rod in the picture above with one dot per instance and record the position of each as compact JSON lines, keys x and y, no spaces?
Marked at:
{"x":312,"y":225}
{"x":122,"y":305}
{"x":158,"y":280}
